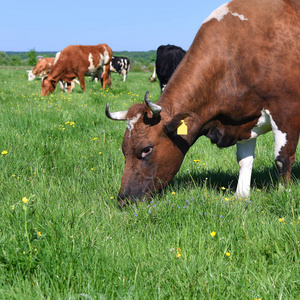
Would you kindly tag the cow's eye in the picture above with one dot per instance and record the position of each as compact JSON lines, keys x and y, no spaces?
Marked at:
{"x":146,"y":151}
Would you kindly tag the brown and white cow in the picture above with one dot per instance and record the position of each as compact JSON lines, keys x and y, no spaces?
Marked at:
{"x":243,"y":69}
{"x":76,"y":61}
{"x":42,"y":68}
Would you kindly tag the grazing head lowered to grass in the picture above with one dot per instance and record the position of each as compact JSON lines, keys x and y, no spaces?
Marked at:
{"x":238,"y":80}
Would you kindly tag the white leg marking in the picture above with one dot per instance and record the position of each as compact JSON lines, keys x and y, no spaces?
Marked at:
{"x":245,"y":157}
{"x":221,"y":12}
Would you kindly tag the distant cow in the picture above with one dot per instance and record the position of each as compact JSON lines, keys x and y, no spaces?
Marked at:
{"x":42,"y":68}
{"x":243,"y":72}
{"x":167,"y":59}
{"x":77,"y":61}
{"x":64,"y":86}
{"x":120,"y":65}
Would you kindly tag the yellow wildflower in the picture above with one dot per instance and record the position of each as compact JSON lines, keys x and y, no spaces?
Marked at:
{"x":4,"y":152}
{"x":213,"y":233}
{"x":25,"y":200}
{"x":281,"y":219}
{"x":227,"y":253}
{"x":39,"y":233}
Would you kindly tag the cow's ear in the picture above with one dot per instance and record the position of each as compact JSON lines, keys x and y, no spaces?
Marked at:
{"x":171,"y":127}
{"x":181,"y":124}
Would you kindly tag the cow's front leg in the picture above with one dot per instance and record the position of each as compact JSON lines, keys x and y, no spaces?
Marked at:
{"x":81,"y":79}
{"x":245,"y":157}
{"x":69,"y":87}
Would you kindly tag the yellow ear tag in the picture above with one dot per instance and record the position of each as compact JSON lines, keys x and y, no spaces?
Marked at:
{"x":182,"y":128}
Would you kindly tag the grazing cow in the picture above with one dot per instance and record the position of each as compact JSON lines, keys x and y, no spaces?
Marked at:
{"x":42,"y":68}
{"x":120,"y":65}
{"x":167,"y":59}
{"x":243,"y":71}
{"x":76,"y":61}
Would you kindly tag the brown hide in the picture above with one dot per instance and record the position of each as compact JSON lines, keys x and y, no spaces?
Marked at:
{"x":43,"y":66}
{"x":244,"y":60}
{"x":74,"y":61}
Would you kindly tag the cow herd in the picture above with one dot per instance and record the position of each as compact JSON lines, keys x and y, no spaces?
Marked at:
{"x":238,"y":80}
{"x":79,"y":61}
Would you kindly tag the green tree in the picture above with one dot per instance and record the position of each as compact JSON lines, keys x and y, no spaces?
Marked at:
{"x":4,"y":58}
{"x":152,"y":58}
{"x":15,"y":60}
{"x":32,"y":57}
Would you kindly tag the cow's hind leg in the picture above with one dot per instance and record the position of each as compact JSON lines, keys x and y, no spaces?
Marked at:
{"x":106,"y":78}
{"x":285,"y":151}
{"x":245,"y":157}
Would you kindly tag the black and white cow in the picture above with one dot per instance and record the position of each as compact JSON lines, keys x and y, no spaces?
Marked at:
{"x":120,"y":65}
{"x":168,"y":58}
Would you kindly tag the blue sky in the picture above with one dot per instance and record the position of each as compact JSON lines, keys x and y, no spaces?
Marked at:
{"x":124,"y":25}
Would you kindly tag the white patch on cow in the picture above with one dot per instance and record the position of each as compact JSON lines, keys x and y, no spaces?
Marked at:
{"x":264,"y":125}
{"x":92,"y":68}
{"x":221,"y":12}
{"x":57,"y":55}
{"x":112,"y":68}
{"x":279,"y":137}
{"x":106,"y":57}
{"x":131,"y":122}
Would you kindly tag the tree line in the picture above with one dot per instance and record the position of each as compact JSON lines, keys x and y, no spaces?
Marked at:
{"x":138,"y":59}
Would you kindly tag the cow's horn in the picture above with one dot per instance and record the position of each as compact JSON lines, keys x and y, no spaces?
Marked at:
{"x":119,"y":116}
{"x":156,"y":109}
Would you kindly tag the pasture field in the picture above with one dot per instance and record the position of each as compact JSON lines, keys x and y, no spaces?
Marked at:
{"x":69,"y":240}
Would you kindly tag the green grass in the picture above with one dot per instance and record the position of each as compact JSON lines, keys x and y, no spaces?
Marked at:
{"x":70,"y":240}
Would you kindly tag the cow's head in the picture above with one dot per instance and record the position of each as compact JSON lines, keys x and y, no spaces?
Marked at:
{"x":31,"y":76}
{"x":153,"y":151}
{"x":48,"y":86}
